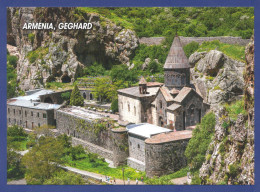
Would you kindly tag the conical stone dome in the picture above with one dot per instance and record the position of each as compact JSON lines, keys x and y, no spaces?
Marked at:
{"x":176,"y":58}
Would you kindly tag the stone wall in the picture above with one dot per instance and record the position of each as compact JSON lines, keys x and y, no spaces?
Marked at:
{"x":229,"y":40}
{"x":136,"y":147}
{"x":151,"y":40}
{"x":139,"y":165}
{"x":29,"y":117}
{"x":84,"y":129}
{"x":93,"y":148}
{"x":185,"y":40}
{"x":120,"y":146}
{"x":165,"y":158}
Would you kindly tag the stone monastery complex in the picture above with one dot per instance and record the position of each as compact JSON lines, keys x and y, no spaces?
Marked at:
{"x":153,"y":129}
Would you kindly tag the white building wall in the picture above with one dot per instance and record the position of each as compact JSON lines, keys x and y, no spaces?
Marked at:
{"x":155,"y":120}
{"x":170,"y":117}
{"x":133,"y":114}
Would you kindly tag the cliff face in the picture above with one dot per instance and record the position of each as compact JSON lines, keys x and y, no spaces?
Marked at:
{"x":60,"y":55}
{"x":230,"y":156}
{"x":217,"y":77}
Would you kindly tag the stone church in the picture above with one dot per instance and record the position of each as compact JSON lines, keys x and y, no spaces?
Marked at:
{"x":175,"y":104}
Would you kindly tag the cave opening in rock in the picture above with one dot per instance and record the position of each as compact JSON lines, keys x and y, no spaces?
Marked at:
{"x":92,"y":53}
{"x":65,"y":79}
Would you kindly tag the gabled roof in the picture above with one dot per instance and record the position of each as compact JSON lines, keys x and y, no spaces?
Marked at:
{"x":183,"y":94}
{"x":166,"y":94}
{"x":142,"y":81}
{"x":174,"y":106}
{"x":176,"y":58}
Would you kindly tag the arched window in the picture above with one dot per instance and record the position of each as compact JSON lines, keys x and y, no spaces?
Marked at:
{"x":134,"y":110}
{"x":138,"y":146}
{"x":128,"y":104}
{"x":160,"y":104}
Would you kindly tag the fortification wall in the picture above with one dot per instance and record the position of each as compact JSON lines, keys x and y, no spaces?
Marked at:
{"x":185,"y":40}
{"x":165,"y":158}
{"x":120,"y":146}
{"x":93,"y":148}
{"x":151,"y":40}
{"x":83,"y":129}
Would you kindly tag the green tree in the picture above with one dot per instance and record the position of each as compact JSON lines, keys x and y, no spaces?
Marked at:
{"x":201,"y":138}
{"x":15,"y":170}
{"x":76,"y":98}
{"x":43,"y":160}
{"x":114,"y":105}
{"x":64,"y":178}
{"x":104,"y":89}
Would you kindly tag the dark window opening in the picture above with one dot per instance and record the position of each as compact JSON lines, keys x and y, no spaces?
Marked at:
{"x":39,"y":124}
{"x":90,"y":96}
{"x":138,"y":146}
{"x":31,"y":113}
{"x":20,"y":112}
{"x":84,"y":95}
{"x":48,"y":100}
{"x":38,"y":114}
{"x":184,"y":119}
{"x":160,"y":102}
{"x":8,"y":110}
{"x":44,"y":115}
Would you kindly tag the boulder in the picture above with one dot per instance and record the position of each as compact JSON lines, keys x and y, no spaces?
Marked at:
{"x":211,"y":63}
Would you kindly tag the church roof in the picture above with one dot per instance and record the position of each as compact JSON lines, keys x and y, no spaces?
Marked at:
{"x":174,"y":106}
{"x":176,"y":58}
{"x":142,"y":81}
{"x":134,"y":91}
{"x":183,"y":94}
{"x":166,"y":94}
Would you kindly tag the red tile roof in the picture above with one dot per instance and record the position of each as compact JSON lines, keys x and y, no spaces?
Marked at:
{"x":169,"y":137}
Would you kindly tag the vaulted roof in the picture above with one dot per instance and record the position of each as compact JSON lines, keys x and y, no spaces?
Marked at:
{"x":176,"y":58}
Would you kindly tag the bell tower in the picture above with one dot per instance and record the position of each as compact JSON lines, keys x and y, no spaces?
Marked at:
{"x":142,"y":86}
{"x":176,"y":67}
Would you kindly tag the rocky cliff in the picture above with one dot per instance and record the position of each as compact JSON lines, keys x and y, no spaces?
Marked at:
{"x":60,"y":55}
{"x":217,"y":77}
{"x":230,"y":156}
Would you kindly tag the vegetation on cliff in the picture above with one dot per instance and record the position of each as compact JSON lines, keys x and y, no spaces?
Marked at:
{"x":188,"y":21}
{"x":198,"y":144}
{"x":11,"y":75}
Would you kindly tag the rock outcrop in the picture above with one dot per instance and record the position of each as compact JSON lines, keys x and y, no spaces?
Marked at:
{"x":60,"y":55}
{"x":230,"y":156}
{"x":217,"y":77}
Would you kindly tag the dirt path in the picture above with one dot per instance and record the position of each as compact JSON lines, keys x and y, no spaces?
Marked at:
{"x":17,"y":182}
{"x":180,"y":181}
{"x":100,"y":177}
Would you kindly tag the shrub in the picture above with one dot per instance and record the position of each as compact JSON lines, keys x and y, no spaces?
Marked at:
{"x":190,"y":48}
{"x":65,"y":96}
{"x":199,"y":143}
{"x":235,"y":108}
{"x":114,"y":105}
{"x":31,"y":37}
